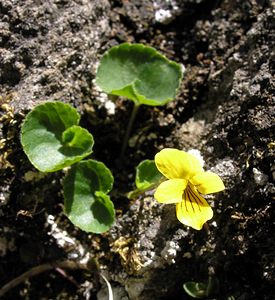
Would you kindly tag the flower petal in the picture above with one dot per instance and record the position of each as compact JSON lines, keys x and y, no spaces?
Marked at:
{"x":170,"y":191}
{"x":193,"y":211}
{"x":174,"y":163}
{"x":207,"y":182}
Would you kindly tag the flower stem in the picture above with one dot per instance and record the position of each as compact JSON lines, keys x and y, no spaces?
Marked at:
{"x":128,"y":130}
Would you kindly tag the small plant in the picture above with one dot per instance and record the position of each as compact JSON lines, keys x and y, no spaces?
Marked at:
{"x":186,"y":182}
{"x":195,"y":289}
{"x":147,"y":178}
{"x":53,"y":140}
{"x":139,"y":73}
{"x":202,"y":290}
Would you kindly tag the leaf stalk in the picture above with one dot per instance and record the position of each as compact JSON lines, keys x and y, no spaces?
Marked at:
{"x":129,"y":129}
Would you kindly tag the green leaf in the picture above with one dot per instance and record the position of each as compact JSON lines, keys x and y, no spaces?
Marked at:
{"x":139,"y":73}
{"x":195,"y":289}
{"x":147,"y":177}
{"x":147,"y":174}
{"x":52,"y":139}
{"x":87,"y":204}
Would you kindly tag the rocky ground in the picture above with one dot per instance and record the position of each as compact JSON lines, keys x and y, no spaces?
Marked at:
{"x":49,"y":50}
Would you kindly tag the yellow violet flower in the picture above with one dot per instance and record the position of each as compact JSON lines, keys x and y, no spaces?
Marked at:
{"x":186,"y":182}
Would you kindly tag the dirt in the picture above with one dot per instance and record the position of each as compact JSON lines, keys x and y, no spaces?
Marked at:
{"x":224,"y":108}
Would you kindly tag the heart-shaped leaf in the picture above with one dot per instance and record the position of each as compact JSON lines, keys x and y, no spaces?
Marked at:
{"x":147,"y":177}
{"x":139,"y":73}
{"x":87,"y":204}
{"x":52,"y":139}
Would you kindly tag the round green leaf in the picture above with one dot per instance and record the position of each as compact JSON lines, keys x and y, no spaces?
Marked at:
{"x":52,"y":139}
{"x":87,"y":204}
{"x":139,"y":73}
{"x":147,"y":174}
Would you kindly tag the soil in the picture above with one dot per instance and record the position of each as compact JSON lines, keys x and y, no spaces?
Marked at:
{"x":49,"y":50}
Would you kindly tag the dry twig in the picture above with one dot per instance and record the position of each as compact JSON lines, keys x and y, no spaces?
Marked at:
{"x":67,"y":264}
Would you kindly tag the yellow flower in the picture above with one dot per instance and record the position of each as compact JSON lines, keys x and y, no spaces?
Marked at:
{"x":186,"y":182}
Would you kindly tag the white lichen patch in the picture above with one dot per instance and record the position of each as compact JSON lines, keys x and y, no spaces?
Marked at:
{"x":103,"y":99}
{"x":4,"y":195}
{"x":69,"y":244}
{"x":166,"y":11}
{"x":259,"y":177}
{"x":163,"y":16}
{"x":169,"y":252}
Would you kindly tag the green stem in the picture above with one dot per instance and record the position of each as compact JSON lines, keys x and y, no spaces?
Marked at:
{"x":128,"y":130}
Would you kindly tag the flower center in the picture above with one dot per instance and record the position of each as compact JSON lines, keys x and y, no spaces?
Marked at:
{"x":191,"y":199}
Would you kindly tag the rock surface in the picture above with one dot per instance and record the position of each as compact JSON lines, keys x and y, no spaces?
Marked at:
{"x":225,"y":108}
